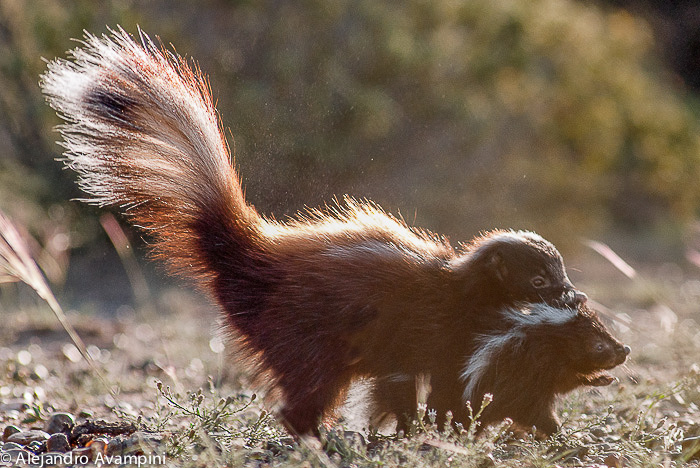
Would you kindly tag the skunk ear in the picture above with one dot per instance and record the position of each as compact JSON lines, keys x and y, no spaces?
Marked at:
{"x":498,"y":265}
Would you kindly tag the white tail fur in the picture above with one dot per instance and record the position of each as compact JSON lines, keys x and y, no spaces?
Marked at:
{"x":143,"y":134}
{"x":127,"y":104}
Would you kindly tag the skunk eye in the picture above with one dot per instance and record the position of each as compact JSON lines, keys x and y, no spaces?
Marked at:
{"x":539,"y":282}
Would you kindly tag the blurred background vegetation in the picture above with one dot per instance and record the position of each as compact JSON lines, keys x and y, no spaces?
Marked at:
{"x":574,"y":119}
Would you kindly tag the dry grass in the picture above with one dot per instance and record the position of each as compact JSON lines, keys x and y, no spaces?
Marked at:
{"x":173,"y":379}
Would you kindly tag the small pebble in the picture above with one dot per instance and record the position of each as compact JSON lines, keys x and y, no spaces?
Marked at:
{"x":115,"y":447}
{"x":99,"y":445}
{"x":18,"y":456}
{"x":11,"y":446}
{"x":125,"y":408}
{"x":9,"y":430}
{"x":26,"y":437}
{"x":614,"y":461}
{"x":40,"y":373}
{"x":60,"y":422}
{"x":58,"y":442}
{"x":36,"y":446}
{"x":83,"y":452}
{"x":82,"y":440}
{"x":258,"y":454}
{"x":14,"y":405}
{"x":142,"y":442}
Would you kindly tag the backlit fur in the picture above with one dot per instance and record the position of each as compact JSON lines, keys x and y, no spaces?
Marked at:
{"x":312,"y":303}
{"x":542,"y":352}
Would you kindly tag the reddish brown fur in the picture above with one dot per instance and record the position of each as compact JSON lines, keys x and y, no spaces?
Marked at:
{"x":314,"y":302}
{"x":561,"y":351}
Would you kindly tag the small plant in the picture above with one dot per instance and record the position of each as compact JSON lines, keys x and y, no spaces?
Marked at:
{"x":212,"y":421}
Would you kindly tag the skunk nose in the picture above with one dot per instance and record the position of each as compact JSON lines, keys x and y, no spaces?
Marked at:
{"x":580,"y":297}
{"x":572,"y":297}
{"x":621,"y":353}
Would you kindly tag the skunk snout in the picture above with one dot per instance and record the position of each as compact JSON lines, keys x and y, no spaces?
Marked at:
{"x":579,"y":297}
{"x":621,"y":353}
{"x":573,"y":298}
{"x":610,"y":354}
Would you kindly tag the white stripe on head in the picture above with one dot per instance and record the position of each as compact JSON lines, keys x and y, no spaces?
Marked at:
{"x":538,"y":314}
{"x":487,"y":241}
{"x":532,"y":236}
{"x":512,"y":238}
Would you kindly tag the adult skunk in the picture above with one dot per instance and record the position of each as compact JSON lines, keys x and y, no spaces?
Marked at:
{"x":314,"y":302}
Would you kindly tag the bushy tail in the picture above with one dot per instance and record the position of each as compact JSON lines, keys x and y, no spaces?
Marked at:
{"x":143,"y":134}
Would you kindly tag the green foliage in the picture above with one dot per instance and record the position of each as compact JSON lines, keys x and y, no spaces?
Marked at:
{"x":209,"y":421}
{"x":550,"y":114}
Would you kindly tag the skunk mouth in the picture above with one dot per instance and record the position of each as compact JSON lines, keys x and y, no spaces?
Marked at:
{"x":600,"y":380}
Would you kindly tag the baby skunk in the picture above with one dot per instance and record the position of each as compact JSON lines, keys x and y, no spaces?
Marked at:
{"x":542,"y":352}
{"x":525,"y":358}
{"x":312,"y":303}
